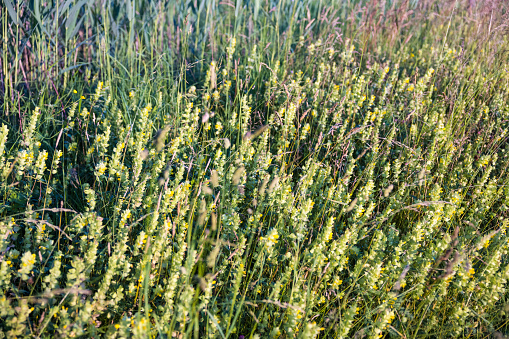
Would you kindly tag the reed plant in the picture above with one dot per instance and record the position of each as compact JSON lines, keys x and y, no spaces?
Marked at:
{"x":254,"y":169}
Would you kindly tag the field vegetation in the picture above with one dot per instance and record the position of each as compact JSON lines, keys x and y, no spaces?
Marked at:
{"x":254,"y":169}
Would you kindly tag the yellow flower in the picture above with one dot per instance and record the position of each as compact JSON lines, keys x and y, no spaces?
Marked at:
{"x":117,"y":326}
{"x":82,"y":97}
{"x":131,"y":94}
{"x":75,"y":91}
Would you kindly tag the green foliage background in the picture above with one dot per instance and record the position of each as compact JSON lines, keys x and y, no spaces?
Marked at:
{"x":270,"y":169}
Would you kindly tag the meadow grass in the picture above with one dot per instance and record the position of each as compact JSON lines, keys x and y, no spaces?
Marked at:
{"x":254,"y":169}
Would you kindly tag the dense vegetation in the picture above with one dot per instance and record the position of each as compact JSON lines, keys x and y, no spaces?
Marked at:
{"x":254,"y":169}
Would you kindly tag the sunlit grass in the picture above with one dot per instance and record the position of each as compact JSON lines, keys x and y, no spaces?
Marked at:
{"x":265,"y":170}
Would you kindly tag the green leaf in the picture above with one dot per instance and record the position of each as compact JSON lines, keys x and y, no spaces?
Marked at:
{"x":64,"y":8}
{"x":130,"y":10}
{"x":12,"y":12}
{"x":37,"y":11}
{"x":73,"y":67}
{"x":75,"y":30}
{"x":256,"y":9}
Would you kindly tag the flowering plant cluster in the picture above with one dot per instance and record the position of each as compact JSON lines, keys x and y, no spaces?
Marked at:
{"x":336,"y":194}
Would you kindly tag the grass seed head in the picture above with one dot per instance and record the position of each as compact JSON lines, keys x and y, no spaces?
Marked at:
{"x":227,"y":143}
{"x":273,"y":184}
{"x":214,"y":178}
{"x":237,"y":175}
{"x":160,"y":138}
{"x":388,"y":190}
{"x":351,"y":206}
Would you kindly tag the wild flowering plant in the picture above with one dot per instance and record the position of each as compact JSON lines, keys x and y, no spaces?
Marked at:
{"x":323,"y":196}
